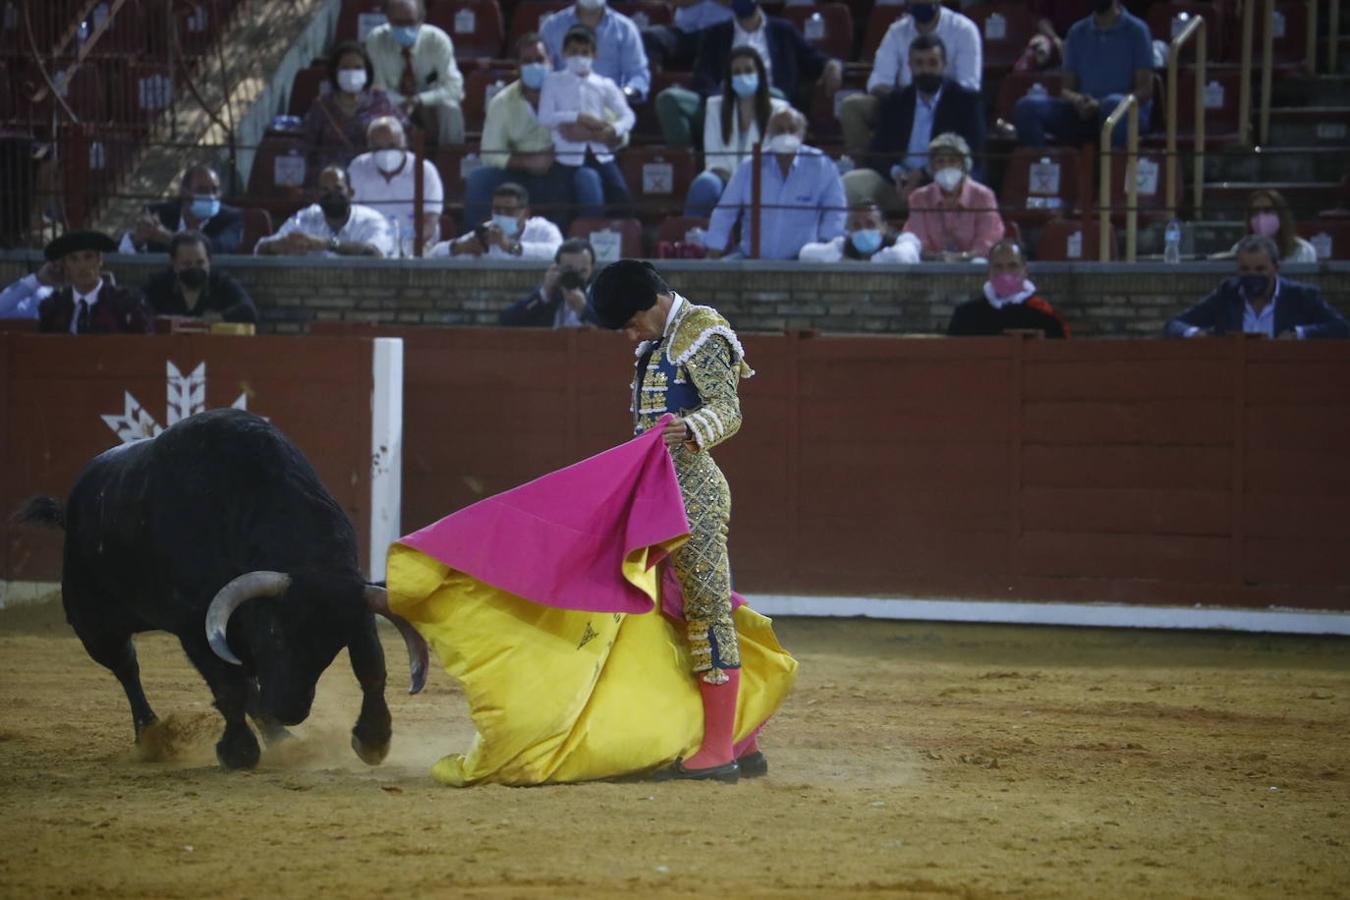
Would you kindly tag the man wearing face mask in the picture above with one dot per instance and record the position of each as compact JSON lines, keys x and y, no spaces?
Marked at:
{"x":619,"y":54}
{"x":511,"y":233}
{"x":384,"y":179}
{"x":1106,"y":56}
{"x":955,"y":218}
{"x":415,"y":64}
{"x":801,"y":197}
{"x":931,"y":104}
{"x":866,"y":238}
{"x":198,"y":208}
{"x":560,"y":302}
{"x":1009,"y":301}
{"x":332,"y":226}
{"x":1258,"y":300}
{"x":517,"y":147}
{"x":193,"y":287}
{"x":794,"y":68}
{"x":891,"y":71}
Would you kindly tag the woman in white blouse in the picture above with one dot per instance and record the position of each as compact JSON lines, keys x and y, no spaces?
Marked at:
{"x":732,"y":125}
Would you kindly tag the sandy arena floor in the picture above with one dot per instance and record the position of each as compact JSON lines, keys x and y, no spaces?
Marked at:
{"x":914,"y":760}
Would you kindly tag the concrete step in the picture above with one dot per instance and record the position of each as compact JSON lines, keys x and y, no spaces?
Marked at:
{"x":1274,"y":164}
{"x":1324,"y":90}
{"x":1227,"y":200}
{"x":1310,"y":126}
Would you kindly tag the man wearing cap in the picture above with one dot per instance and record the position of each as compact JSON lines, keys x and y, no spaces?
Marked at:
{"x":87,"y":304}
{"x":689,"y":364}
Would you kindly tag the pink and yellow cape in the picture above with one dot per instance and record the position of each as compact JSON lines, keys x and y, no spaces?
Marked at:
{"x":547,"y":603}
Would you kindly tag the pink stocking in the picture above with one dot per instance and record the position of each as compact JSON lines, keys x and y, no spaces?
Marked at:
{"x":719,"y":721}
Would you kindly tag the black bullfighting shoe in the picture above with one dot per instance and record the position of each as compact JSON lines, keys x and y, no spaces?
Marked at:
{"x":727,"y":774}
{"x":753,"y":765}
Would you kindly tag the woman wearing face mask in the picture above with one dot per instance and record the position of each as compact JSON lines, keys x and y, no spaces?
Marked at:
{"x":335,"y":126}
{"x":732,"y":125}
{"x":955,"y":218}
{"x":1269,"y":215}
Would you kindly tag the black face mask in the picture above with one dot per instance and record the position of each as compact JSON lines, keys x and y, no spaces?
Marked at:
{"x":193,"y":279}
{"x":335,"y":206}
{"x":928,"y":82}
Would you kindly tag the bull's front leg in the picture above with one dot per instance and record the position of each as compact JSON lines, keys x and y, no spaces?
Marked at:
{"x":373,"y":728}
{"x":238,"y":747}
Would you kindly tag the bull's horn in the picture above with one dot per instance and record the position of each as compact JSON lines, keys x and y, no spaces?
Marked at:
{"x":242,"y":589}
{"x":377,"y":600}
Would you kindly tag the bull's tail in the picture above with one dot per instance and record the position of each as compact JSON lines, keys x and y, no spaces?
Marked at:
{"x":47,"y":511}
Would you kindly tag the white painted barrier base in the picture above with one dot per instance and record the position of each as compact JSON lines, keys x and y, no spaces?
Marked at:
{"x":1098,"y":615}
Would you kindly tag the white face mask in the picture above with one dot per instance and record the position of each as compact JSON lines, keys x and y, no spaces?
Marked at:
{"x":579,"y":65}
{"x":351,"y":80}
{"x":786,"y":144}
{"x":948,"y":178}
{"x":388,"y":160}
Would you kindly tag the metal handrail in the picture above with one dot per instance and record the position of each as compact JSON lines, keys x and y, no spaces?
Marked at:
{"x":1129,"y":104}
{"x":1312,"y":34}
{"x":1267,"y":70}
{"x":1334,"y":32}
{"x":1245,"y":83}
{"x":1195,"y":28}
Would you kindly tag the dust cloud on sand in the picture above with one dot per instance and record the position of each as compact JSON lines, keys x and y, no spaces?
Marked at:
{"x":913,"y":760}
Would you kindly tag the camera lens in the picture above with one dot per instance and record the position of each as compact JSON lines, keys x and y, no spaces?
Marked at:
{"x":571,"y":280}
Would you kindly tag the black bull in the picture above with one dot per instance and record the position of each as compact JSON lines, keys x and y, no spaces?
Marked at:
{"x":220,"y":532}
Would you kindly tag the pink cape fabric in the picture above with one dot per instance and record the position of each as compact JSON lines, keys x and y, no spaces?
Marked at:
{"x":561,"y":539}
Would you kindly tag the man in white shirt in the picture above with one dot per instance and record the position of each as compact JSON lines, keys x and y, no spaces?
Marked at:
{"x":333,"y":226}
{"x":865,"y":239}
{"x":511,"y":233}
{"x":385,"y":178}
{"x":415,"y":64}
{"x":20,"y":300}
{"x":890,"y":70}
{"x":588,"y":115}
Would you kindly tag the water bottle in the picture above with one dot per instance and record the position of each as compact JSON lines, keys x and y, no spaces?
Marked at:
{"x":1037,"y":91}
{"x":845,"y":164}
{"x":694,"y":236}
{"x":1172,"y":242}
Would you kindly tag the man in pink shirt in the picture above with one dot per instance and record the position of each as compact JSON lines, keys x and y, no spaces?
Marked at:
{"x":955,"y":218}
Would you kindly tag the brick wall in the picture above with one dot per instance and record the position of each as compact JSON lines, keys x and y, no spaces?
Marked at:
{"x":1117,"y":300}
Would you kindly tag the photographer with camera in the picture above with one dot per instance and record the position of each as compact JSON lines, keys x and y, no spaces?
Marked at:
{"x":511,"y":233}
{"x":560,"y":302}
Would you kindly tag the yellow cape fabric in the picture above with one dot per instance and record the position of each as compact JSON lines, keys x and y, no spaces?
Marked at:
{"x":562,"y":695}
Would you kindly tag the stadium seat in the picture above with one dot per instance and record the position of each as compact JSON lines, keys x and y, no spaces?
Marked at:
{"x":1222,"y":87}
{"x":257,"y":225}
{"x":1041,"y":183}
{"x":827,"y":26}
{"x":1065,"y":240}
{"x":358,"y":18}
{"x":1164,"y":21}
{"x":526,"y":18}
{"x":454,"y":165}
{"x":611,"y":238}
{"x":480,"y":86}
{"x":1291,"y":34}
{"x":1006,"y":27}
{"x":1152,"y":180}
{"x":879,"y":20}
{"x":280,"y":170}
{"x":645,"y":13}
{"x":197,"y":23}
{"x":648,"y":126}
{"x":1329,"y":237}
{"x":658,"y":178}
{"x":305,"y":89}
{"x":475,"y":26}
{"x":671,"y":238}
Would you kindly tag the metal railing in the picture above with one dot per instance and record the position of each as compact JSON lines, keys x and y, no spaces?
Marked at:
{"x":1129,"y":105}
{"x":1197,"y":29}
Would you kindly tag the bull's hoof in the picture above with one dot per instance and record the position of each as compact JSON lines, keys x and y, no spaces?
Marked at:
{"x":371,"y":754}
{"x":238,"y":751}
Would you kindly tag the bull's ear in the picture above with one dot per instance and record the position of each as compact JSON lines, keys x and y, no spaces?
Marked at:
{"x":377,"y":601}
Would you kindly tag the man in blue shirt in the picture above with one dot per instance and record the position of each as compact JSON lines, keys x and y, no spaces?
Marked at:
{"x":1106,"y":56}
{"x":801,"y":196}
{"x":619,"y":55}
{"x":22,"y":298}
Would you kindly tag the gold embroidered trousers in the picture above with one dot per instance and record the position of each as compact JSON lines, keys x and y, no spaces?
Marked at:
{"x":703,"y":568}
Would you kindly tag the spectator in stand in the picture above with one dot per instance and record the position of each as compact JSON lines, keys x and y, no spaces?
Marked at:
{"x":734,"y":122}
{"x":332,"y":226}
{"x":589,"y":117}
{"x":955,"y":218}
{"x":866,"y":238}
{"x":963,"y":50}
{"x":618,"y":53}
{"x":511,"y":233}
{"x":414,"y":63}
{"x":1259,"y":301}
{"x":673,"y":47}
{"x":791,"y":63}
{"x":517,"y":147}
{"x":1009,"y":301}
{"x":1054,"y":18}
{"x":384,"y":178}
{"x":1106,"y":56}
{"x":1269,"y":215}
{"x":801,"y":197}
{"x":560,"y":302}
{"x":21,"y":299}
{"x":198,"y":208}
{"x":1041,"y":55}
{"x":192,"y":287}
{"x":930,"y":104}
{"x":89,"y":303}
{"x":335,"y":126}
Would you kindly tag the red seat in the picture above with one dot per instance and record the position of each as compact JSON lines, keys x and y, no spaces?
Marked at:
{"x":1041,"y":183}
{"x":454,"y":165}
{"x":879,"y":21}
{"x":197,"y":24}
{"x":480,"y":86}
{"x":305,"y":89}
{"x":1221,"y":101}
{"x":1151,"y":177}
{"x":526,"y":18}
{"x":1015,"y":85}
{"x":1064,"y":240}
{"x":358,"y":18}
{"x":1006,"y":27}
{"x":1291,"y":33}
{"x":475,"y":26}
{"x":645,"y":13}
{"x":600,"y":233}
{"x":1330,"y":237}
{"x":257,"y":225}
{"x":280,"y":170}
{"x":658,"y":179}
{"x":1164,"y":22}
{"x":826,"y":26}
{"x":648,"y":125}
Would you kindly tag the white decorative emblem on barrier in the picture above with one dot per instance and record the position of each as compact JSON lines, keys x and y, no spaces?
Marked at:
{"x":186,"y":397}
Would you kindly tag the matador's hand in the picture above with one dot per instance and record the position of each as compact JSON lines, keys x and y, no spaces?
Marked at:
{"x":676,"y":432}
